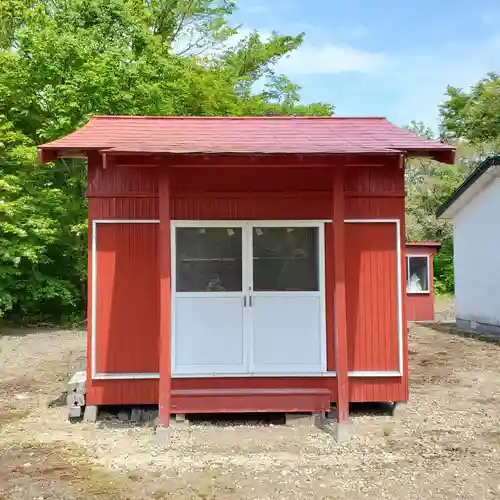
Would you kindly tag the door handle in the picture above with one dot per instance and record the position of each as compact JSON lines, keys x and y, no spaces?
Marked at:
{"x":249,"y":301}
{"x":244,"y":301}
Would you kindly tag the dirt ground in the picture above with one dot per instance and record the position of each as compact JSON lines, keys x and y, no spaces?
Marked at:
{"x":445,"y":445}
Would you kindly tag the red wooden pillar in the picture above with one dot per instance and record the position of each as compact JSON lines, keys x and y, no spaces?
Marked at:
{"x":340,"y":313}
{"x":165,"y":298}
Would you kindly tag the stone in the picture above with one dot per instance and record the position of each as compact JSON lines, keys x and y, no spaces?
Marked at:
{"x":90,"y":413}
{"x":22,"y":396}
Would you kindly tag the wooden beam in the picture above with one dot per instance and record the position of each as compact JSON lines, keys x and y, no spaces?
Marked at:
{"x":135,"y":159}
{"x":165,"y":382}
{"x":340,"y":312}
{"x":46,"y":155}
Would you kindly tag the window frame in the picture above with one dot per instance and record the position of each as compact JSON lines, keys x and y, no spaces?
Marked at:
{"x":429,"y":287}
{"x":179,"y":261}
{"x":315,"y":254}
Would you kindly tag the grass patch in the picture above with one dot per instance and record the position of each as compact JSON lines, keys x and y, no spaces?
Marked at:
{"x":9,"y":415}
{"x":55,"y":470}
{"x":387,"y":429}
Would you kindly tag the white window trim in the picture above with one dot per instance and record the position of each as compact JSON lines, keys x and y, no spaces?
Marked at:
{"x":421,"y":292}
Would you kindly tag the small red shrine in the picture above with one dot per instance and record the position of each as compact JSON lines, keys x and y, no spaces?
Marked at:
{"x":245,"y":264}
{"x":420,"y":280}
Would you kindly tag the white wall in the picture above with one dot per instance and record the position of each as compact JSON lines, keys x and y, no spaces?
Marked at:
{"x":477,"y":257}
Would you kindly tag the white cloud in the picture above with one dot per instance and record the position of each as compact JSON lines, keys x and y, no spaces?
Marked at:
{"x":490,"y":18}
{"x":420,"y":80}
{"x":322,"y":58}
{"x":319,"y":54}
{"x":354,"y":31}
{"x":330,"y":58}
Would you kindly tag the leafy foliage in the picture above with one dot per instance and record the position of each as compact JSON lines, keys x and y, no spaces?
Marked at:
{"x":428,"y":185}
{"x":65,"y":60}
{"x":470,"y":118}
{"x":474,"y":115}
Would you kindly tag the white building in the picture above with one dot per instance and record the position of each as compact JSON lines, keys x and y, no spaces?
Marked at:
{"x":474,"y":209}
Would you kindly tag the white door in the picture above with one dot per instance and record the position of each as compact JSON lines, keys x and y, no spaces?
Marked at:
{"x":248,"y":298}
{"x":286,"y":298}
{"x":208,"y":300}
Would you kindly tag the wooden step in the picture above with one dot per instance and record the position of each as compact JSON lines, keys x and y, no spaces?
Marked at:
{"x":250,"y":400}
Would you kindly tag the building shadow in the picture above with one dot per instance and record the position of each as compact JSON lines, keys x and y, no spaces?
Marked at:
{"x":451,"y":328}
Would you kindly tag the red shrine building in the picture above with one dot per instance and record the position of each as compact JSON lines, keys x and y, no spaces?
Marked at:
{"x":420,"y":280}
{"x":245,"y":264}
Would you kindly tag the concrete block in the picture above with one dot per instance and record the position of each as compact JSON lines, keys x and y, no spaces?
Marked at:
{"x":162,"y":435}
{"x":149,"y":415}
{"x":340,"y":431}
{"x":179,"y":420}
{"x":123,"y":416}
{"x":300,"y":419}
{"x":90,"y":413}
{"x":323,"y":419}
{"x":75,"y":412}
{"x":105,"y":415}
{"x":78,"y":383}
{"x":75,"y":399}
{"x":136,"y":415}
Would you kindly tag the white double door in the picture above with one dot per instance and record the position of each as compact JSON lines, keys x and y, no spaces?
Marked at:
{"x":248,"y":298}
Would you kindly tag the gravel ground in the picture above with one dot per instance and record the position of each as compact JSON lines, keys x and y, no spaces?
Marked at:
{"x":445,"y":445}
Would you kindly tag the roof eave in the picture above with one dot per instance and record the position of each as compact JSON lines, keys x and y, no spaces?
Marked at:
{"x":52,"y":151}
{"x":442,"y":155}
{"x":472,"y":185}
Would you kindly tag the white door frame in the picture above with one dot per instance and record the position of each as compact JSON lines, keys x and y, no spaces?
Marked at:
{"x":247,"y":278}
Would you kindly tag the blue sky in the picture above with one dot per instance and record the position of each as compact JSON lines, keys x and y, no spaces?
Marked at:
{"x":390,"y":58}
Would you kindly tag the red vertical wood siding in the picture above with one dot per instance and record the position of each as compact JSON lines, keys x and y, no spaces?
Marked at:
{"x":245,"y":193}
{"x":127,"y":298}
{"x":372,"y":306}
{"x":421,"y":306}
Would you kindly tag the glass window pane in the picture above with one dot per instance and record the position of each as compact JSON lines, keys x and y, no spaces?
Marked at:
{"x":417,"y":274}
{"x":285,"y":259}
{"x":209,"y":259}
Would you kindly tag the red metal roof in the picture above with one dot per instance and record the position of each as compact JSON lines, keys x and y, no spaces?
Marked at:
{"x":247,"y":135}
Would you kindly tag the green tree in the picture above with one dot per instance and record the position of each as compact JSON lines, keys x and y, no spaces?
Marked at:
{"x":428,"y":185}
{"x":474,"y":115}
{"x":39,"y":233}
{"x":471,"y":119}
{"x":65,"y":60}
